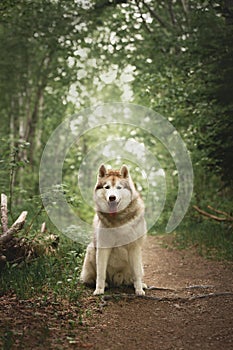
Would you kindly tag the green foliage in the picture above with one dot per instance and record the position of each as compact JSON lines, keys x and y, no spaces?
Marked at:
{"x":175,"y":57}
{"x":191,"y":85}
{"x":56,"y":275}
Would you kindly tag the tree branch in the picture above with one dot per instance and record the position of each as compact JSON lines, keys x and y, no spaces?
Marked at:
{"x":127,"y":297}
{"x":17,"y":226}
{"x":214,"y":217}
{"x":220,"y":212}
{"x":43,"y":227}
{"x":157,"y":17}
{"x":143,"y":19}
{"x":170,"y":9}
{"x":185,"y":6}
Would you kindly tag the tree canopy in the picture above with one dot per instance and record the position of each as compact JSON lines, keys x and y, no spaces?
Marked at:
{"x":58,"y":57}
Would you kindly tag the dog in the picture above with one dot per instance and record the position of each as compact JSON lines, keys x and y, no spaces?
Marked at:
{"x":114,"y":257}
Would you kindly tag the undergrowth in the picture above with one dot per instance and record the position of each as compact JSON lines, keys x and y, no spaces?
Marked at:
{"x":212,"y":240}
{"x":56,"y":274}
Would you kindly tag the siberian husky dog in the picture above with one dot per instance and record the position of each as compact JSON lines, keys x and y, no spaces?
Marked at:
{"x":114,"y":256}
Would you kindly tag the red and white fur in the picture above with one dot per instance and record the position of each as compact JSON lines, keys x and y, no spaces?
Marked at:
{"x":120,"y":219}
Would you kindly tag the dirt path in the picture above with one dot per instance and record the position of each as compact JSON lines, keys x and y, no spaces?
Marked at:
{"x":180,"y":319}
{"x":175,"y":323}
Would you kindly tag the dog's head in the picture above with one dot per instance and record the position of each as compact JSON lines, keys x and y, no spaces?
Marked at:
{"x":114,"y":189}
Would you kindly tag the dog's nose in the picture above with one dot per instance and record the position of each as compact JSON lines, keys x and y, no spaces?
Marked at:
{"x":112,"y":198}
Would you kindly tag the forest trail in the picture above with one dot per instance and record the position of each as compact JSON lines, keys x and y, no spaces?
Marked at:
{"x":192,"y":310}
{"x":176,"y":321}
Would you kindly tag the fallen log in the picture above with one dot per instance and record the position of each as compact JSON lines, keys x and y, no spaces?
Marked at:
{"x":15,"y":249}
{"x":11,"y":247}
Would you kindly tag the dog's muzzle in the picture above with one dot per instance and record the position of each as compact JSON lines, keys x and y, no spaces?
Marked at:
{"x":112,"y":202}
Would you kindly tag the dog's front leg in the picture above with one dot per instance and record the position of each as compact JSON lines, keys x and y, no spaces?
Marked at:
{"x":102,"y":256}
{"x":135,"y":259}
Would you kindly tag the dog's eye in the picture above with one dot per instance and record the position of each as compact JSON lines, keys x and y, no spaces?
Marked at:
{"x":107,"y":187}
{"x":119,"y":187}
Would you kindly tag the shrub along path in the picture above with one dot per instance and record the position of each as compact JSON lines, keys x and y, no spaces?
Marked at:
{"x":192,"y":310}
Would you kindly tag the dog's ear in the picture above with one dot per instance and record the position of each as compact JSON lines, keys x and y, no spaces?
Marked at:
{"x":102,"y":171}
{"x":124,"y":171}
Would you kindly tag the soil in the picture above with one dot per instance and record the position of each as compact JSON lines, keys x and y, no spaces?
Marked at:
{"x":190,"y":308}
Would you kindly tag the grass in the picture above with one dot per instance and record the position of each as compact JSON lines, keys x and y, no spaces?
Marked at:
{"x":51,"y":284}
{"x":212,"y":240}
{"x":58,"y":273}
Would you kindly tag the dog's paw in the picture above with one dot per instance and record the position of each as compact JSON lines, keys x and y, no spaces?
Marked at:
{"x":99,"y":291}
{"x":139,"y":292}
